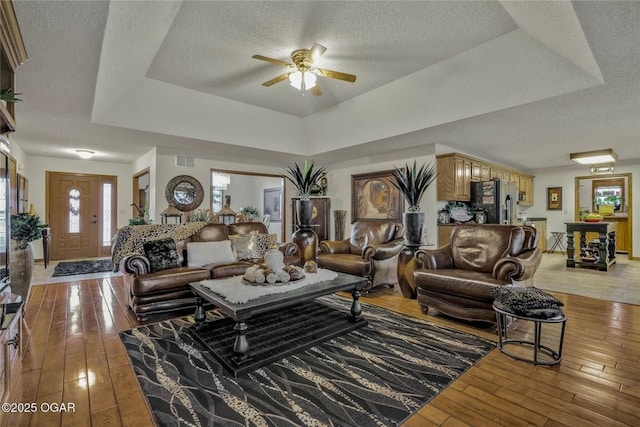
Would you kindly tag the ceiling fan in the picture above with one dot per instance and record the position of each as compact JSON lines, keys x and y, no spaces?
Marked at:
{"x":303,"y":74}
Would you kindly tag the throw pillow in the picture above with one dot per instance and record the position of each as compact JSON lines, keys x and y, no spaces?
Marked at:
{"x":203,"y":253}
{"x":252,"y":245}
{"x":526,"y":301}
{"x":162,"y":254}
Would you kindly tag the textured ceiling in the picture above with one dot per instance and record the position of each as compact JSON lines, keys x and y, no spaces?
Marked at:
{"x":523,"y":83}
{"x":379,"y":44}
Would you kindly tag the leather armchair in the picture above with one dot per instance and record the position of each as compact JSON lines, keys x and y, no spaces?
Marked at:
{"x":371,"y":252}
{"x":456,"y":279}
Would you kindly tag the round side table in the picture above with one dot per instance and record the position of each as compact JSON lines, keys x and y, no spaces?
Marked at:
{"x":542,"y":354}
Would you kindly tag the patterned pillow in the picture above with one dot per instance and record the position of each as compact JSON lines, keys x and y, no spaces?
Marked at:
{"x":526,"y":301}
{"x":162,"y":254}
{"x":252,"y":245}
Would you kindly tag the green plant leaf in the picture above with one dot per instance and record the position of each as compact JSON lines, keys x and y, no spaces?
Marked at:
{"x":413,"y":182}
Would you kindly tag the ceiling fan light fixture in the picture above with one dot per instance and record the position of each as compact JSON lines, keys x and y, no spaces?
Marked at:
{"x":302,"y":80}
{"x":594,"y":157}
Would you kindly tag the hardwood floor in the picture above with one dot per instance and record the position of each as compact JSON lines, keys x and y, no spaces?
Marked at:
{"x":73,"y":355}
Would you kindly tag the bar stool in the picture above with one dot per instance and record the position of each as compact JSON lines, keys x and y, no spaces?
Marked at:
{"x":558,"y":237}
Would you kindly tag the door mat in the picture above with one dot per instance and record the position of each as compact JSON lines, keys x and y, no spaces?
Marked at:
{"x":377,"y":375}
{"x":71,"y":268}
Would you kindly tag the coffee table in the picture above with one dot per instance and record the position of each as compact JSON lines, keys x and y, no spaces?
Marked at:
{"x":274,"y":326}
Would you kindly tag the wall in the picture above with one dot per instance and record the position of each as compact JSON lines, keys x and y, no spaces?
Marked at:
{"x":339,"y":186}
{"x":142,"y":163}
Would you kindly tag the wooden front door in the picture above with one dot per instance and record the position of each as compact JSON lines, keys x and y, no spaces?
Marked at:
{"x":81,"y":214}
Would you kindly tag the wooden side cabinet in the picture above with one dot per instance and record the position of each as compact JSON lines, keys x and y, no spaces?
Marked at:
{"x":11,"y":352}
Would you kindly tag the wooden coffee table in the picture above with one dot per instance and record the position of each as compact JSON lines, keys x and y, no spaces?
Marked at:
{"x":274,"y":326}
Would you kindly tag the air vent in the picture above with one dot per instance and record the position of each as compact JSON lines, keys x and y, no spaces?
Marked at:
{"x":186,"y":161}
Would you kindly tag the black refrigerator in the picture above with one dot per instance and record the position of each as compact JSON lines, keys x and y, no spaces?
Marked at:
{"x":497,"y":198}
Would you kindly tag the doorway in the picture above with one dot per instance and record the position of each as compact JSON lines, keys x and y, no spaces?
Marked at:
{"x":250,"y":189}
{"x":81,"y":213}
{"x":141,"y":195}
{"x":610,"y":195}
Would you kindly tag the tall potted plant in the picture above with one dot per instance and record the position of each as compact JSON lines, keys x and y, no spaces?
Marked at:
{"x":25,"y":228}
{"x":413,"y":182}
{"x":304,"y":179}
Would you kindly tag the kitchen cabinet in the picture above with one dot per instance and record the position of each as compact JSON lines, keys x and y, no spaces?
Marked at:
{"x":480,"y":171}
{"x":454,"y":177}
{"x":457,"y":171}
{"x":499,"y":173}
{"x":525,"y":186}
{"x":444,"y":234}
{"x":622,"y":232}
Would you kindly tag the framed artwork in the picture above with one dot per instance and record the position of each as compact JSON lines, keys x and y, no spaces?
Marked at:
{"x":319,"y":217}
{"x":554,"y":198}
{"x":273,"y":203}
{"x":375,"y":198}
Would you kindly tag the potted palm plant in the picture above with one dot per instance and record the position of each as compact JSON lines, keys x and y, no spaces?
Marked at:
{"x":25,"y":228}
{"x":413,"y":182}
{"x":304,"y":179}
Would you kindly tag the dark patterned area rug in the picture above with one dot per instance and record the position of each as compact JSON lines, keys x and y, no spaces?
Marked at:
{"x":70,"y":268}
{"x":376,"y":376}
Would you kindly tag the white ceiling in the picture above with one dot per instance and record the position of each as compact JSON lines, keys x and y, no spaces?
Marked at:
{"x":522,"y":83}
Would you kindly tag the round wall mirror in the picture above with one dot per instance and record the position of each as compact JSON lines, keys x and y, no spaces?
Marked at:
{"x":184,"y":192}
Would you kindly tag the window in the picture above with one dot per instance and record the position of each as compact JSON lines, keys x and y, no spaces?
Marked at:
{"x":106,"y":214}
{"x":74,"y":211}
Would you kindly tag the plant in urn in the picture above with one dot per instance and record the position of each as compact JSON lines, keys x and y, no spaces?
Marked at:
{"x":413,"y":182}
{"x":304,"y":179}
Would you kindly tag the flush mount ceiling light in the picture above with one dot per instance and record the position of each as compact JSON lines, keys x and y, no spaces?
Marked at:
{"x":85,"y":154}
{"x":594,"y":157}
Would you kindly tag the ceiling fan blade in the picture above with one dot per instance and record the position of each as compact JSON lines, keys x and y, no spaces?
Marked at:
{"x":317,"y":50}
{"x":273,"y":60}
{"x":335,"y":75}
{"x":276,"y":80}
{"x":316,"y":90}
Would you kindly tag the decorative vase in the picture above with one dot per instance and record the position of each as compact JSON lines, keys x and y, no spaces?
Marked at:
{"x":21,"y":270}
{"x":340,"y":217}
{"x":307,"y":241}
{"x":413,"y":223}
{"x":304,"y":208}
{"x":274,"y":259}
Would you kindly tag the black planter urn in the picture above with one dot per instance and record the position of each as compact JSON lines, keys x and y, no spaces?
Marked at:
{"x":413,"y":223}
{"x":304,"y":209}
{"x":304,"y":236}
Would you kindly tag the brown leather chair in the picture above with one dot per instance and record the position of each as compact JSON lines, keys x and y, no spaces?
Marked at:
{"x":371,"y":252}
{"x":456,"y":279}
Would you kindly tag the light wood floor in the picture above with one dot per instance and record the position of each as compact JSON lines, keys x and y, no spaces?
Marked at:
{"x":73,"y":355}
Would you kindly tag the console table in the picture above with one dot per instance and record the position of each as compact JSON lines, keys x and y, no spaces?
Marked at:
{"x":606,"y":246}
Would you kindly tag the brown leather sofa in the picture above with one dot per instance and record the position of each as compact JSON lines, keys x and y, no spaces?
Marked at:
{"x":157,"y":292}
{"x":371,"y":252}
{"x":456,"y":279}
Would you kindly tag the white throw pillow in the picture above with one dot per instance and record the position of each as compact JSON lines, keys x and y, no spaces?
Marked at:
{"x":203,"y":253}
